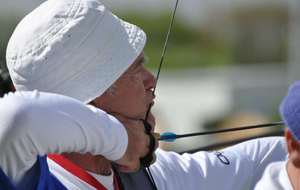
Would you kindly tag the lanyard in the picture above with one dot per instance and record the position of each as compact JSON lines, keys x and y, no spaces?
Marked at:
{"x":79,"y":172}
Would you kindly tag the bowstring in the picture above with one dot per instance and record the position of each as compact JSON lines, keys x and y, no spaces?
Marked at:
{"x":162,"y":58}
{"x":158,"y":74}
{"x":166,"y":44}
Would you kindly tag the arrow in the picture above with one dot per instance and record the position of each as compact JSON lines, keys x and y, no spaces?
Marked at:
{"x":171,"y":137}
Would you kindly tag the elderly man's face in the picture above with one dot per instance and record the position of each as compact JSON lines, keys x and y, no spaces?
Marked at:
{"x":131,"y":94}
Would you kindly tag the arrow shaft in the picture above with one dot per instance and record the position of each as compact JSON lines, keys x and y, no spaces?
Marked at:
{"x":227,"y":130}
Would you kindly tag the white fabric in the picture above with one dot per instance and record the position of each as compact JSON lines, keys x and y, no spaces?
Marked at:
{"x":77,"y":48}
{"x":34,"y":123}
{"x":275,"y":177}
{"x":66,"y":178}
{"x":71,"y":181}
{"x":205,"y":171}
{"x":37,"y":123}
{"x":106,"y":181}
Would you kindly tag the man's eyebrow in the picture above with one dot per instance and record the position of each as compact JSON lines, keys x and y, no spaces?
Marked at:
{"x":140,"y":61}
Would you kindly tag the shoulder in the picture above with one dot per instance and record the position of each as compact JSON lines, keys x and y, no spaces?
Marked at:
{"x":273,"y":170}
{"x":201,"y":169}
{"x":202,"y":159}
{"x":273,"y":177}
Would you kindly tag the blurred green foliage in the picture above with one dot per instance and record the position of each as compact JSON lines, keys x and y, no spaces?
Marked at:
{"x":187,"y":47}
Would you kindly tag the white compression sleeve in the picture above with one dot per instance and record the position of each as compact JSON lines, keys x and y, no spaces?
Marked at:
{"x":35,"y":123}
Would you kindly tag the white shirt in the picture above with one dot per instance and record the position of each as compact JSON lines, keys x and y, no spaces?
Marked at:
{"x":237,"y":167}
{"x":35,"y":123}
{"x":275,"y":177}
{"x":73,"y":182}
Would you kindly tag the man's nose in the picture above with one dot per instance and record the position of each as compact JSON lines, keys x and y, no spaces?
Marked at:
{"x":149,"y":80}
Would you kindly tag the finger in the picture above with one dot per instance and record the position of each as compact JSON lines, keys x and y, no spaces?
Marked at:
{"x":151,"y":121}
{"x":144,"y":152}
{"x":147,"y":160}
{"x":145,"y":148}
{"x":156,"y":136}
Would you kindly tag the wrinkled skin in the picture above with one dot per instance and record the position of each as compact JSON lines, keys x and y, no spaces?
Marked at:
{"x":128,"y":100}
{"x":131,"y":94}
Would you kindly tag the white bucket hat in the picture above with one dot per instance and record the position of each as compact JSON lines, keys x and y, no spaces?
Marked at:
{"x":77,"y":48}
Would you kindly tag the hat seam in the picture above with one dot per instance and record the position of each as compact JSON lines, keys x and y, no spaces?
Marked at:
{"x":82,"y":49}
{"x":44,"y":38}
{"x":61,"y":25}
{"x":97,"y":54}
{"x":116,"y":75}
{"x":73,"y":49}
{"x":69,"y":77}
{"x":80,"y":45}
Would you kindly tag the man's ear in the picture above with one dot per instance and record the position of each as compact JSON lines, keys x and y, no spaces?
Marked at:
{"x":293,"y":147}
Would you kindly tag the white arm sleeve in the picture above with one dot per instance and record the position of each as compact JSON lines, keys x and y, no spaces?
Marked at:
{"x":35,"y":123}
{"x":235,"y":168}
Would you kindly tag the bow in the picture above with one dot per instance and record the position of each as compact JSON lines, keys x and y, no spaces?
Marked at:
{"x":170,"y":136}
{"x":148,"y":159}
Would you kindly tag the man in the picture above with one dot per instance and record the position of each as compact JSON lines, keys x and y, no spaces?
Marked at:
{"x":285,"y":175}
{"x":81,"y":50}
